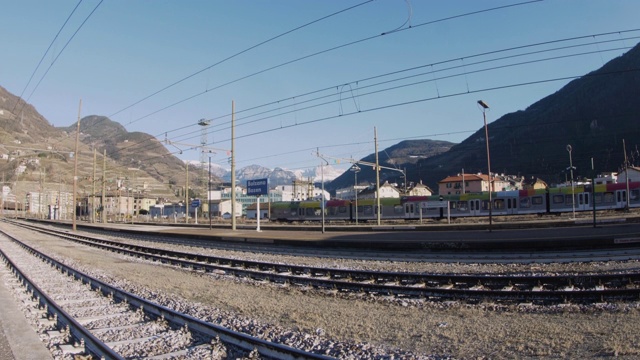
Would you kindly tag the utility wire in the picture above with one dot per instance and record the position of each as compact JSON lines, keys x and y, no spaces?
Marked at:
{"x":433,"y":64}
{"x":239,"y":53}
{"x":181,"y":137}
{"x":502,"y":87}
{"x":430,"y":22}
{"x":319,"y":53}
{"x":45,"y":54}
{"x":61,"y":51}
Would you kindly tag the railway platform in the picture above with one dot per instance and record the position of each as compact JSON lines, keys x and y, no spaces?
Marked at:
{"x":575,"y":233}
{"x":18,"y":339}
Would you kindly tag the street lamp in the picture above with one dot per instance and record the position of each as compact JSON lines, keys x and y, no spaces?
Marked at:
{"x":486,"y":137}
{"x":573,"y":198}
{"x":356,"y":169}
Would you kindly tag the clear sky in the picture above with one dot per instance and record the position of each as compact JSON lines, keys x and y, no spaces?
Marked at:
{"x":291,"y":94}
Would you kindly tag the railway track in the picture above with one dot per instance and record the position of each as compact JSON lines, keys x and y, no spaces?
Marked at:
{"x":543,"y":289}
{"x":426,"y":255}
{"x":87,"y":316}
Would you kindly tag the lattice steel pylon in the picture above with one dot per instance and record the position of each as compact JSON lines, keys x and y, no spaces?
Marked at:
{"x":203,"y":142}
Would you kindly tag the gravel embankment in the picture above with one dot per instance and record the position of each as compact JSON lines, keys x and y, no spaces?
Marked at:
{"x":434,"y":329}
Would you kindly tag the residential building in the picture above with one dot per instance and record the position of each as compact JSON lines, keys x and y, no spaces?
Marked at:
{"x":252,"y":210}
{"x":633,"y":173}
{"x":473,"y":183}
{"x":534,"y":183}
{"x":419,"y":189}
{"x":386,"y":191}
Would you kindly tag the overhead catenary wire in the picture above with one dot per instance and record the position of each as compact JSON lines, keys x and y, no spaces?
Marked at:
{"x":436,"y":98}
{"x":61,"y":51}
{"x":323,"y":52}
{"x":240,"y":53}
{"x":431,"y":99}
{"x":415,"y":75}
{"x":341,"y":46}
{"x":45,"y":54}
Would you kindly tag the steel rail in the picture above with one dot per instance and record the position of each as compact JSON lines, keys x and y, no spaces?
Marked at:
{"x":242,"y":340}
{"x":92,"y":344}
{"x":432,"y":286}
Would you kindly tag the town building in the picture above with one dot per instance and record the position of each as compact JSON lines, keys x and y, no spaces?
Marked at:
{"x":419,"y":189}
{"x":386,"y":191}
{"x":534,"y":183}
{"x":473,"y":183}
{"x":633,"y":174}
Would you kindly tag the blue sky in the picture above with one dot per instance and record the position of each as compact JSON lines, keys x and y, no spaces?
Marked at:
{"x":128,"y":50}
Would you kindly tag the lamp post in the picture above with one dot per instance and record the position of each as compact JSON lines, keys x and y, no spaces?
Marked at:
{"x":486,"y":137}
{"x":573,"y":197}
{"x":356,"y":169}
{"x":209,"y":194}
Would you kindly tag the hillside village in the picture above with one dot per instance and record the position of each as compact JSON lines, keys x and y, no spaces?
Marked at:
{"x":128,"y":199}
{"x":36,"y":159}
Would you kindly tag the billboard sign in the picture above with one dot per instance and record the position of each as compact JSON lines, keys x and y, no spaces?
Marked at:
{"x":257,"y":187}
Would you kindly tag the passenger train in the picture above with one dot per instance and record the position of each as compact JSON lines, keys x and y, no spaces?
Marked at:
{"x":516,"y":202}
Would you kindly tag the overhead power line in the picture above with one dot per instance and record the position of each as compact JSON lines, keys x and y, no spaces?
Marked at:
{"x":238,"y":54}
{"x":316,"y":54}
{"x":184,"y":136}
{"x":61,"y":51}
{"x":45,"y":54}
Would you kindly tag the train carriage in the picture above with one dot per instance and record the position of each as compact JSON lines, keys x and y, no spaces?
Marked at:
{"x":539,"y":201}
{"x":391,"y":208}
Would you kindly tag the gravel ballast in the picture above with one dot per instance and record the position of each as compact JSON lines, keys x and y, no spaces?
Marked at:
{"x":432,"y":329}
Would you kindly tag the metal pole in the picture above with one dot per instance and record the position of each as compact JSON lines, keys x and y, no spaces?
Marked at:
{"x":573,"y":195}
{"x":626,"y":171}
{"x":186,"y":197}
{"x":375,"y":140}
{"x":258,"y":213}
{"x":486,"y":136}
{"x":322,"y":194}
{"x":93,"y":189}
{"x":593,"y":192}
{"x":209,"y":194}
{"x":233,"y":168}
{"x":104,"y":185}
{"x":75,"y":169}
{"x":356,"y":191}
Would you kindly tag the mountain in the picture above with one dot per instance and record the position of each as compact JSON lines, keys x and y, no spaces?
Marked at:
{"x":20,"y":122}
{"x":136,"y":150}
{"x":404,"y":155}
{"x":593,"y":114}
{"x":280,"y":176}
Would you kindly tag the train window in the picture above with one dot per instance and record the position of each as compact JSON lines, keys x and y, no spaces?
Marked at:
{"x":333,"y":210}
{"x":397,"y":209}
{"x":569,"y":201}
{"x":525,"y":202}
{"x":367,"y":210}
{"x":498,"y":204}
{"x":342,"y":209}
{"x":608,"y":197}
{"x":597,"y":198}
{"x":473,"y":205}
{"x":558,"y":199}
{"x":536,"y":200}
{"x":634,"y":194}
{"x":485,"y":204}
{"x":309,"y":211}
{"x":462,"y":206}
